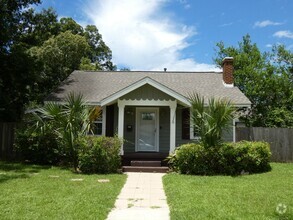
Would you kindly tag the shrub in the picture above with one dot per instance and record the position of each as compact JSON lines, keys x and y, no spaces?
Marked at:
{"x":194,"y":159}
{"x":227,"y":159}
{"x":245,"y":156}
{"x":40,"y":148}
{"x":99,"y":154}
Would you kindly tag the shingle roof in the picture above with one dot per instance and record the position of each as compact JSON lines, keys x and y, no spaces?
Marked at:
{"x":96,"y":86}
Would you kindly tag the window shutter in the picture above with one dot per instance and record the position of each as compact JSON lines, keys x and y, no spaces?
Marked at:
{"x":110,"y":121}
{"x":185,"y":124}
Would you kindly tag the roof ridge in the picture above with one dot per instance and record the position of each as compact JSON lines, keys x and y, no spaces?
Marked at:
{"x":145,"y":71}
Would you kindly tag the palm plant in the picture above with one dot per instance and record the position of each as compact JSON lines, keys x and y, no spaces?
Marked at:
{"x":69,"y":121}
{"x":210,"y":120}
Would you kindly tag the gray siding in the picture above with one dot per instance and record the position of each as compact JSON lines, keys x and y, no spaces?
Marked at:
{"x":147,"y":92}
{"x":129,"y":136}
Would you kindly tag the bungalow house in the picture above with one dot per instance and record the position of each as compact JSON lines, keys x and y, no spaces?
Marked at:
{"x":150,"y":109}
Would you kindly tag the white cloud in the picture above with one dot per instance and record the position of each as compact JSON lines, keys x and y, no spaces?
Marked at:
{"x":185,"y":4}
{"x":266,"y":23}
{"x":269,"y":45}
{"x":142,"y":36}
{"x":226,"y":24}
{"x":284,"y":34}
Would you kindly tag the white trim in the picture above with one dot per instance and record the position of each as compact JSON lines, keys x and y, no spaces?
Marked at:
{"x":104,"y":110}
{"x":172,"y":128}
{"x":228,"y":85}
{"x":147,"y":102}
{"x":121,"y":125}
{"x":170,"y":103}
{"x":140,"y":83}
{"x":157,"y":136}
{"x":235,"y":120}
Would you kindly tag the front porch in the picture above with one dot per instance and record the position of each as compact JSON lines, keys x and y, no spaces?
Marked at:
{"x":147,"y":126}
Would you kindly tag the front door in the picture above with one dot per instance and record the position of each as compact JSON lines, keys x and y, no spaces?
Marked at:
{"x":147,"y":132}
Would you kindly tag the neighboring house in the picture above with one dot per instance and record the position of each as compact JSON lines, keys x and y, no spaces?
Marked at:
{"x":150,"y":109}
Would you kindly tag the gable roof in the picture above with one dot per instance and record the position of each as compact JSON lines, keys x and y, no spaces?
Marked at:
{"x":139,"y":83}
{"x":104,"y":86}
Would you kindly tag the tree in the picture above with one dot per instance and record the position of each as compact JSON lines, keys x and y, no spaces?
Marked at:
{"x":11,"y":15}
{"x":100,"y":53}
{"x":124,"y":69}
{"x":85,"y":64}
{"x":68,"y":121}
{"x":58,"y":57}
{"x":68,"y":24}
{"x":17,"y":67}
{"x":210,"y":121}
{"x":265,"y":78}
{"x":36,"y":28}
{"x":34,"y":57}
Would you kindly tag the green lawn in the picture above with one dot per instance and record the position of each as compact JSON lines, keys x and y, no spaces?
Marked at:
{"x":224,"y":197}
{"x":38,"y":192}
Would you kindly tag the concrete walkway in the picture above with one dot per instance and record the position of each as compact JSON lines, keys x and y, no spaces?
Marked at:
{"x":142,"y":197}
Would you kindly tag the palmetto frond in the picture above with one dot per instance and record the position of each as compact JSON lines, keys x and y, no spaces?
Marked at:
{"x":210,"y":119}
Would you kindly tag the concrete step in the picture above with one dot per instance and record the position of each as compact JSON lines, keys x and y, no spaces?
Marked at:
{"x":140,"y":163}
{"x":145,"y":169}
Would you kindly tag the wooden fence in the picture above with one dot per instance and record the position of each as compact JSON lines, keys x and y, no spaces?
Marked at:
{"x":280,"y":140}
{"x":7,"y":134}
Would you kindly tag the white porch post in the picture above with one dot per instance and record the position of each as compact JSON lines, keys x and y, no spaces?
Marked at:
{"x":104,"y":109}
{"x":173,"y":126}
{"x":121,"y":107}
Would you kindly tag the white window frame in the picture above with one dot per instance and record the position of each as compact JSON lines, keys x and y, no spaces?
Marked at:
{"x":101,"y":120}
{"x":96,"y":122}
{"x":191,"y":135}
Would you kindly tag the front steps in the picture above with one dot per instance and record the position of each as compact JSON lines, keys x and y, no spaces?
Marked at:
{"x":145,"y":166}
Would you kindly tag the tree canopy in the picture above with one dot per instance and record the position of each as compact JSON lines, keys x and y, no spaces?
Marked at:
{"x":265,"y":78}
{"x":37,"y":52}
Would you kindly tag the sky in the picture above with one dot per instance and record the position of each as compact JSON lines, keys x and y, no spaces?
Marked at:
{"x":179,"y":34}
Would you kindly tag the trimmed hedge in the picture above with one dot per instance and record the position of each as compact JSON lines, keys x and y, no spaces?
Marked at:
{"x":227,"y":159}
{"x":99,"y":154}
{"x":251,"y":157}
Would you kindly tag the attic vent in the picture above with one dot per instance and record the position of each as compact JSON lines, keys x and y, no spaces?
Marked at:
{"x":165,"y":69}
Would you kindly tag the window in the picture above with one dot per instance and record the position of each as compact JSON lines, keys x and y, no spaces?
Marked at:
{"x":194,"y":133}
{"x":147,"y":116}
{"x":97,"y":126}
{"x":189,"y":131}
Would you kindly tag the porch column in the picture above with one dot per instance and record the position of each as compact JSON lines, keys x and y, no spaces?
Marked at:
{"x":173,"y":126}
{"x":121,"y":107}
{"x":104,"y":109}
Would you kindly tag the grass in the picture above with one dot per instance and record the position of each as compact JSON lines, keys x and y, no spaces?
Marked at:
{"x":38,"y":192}
{"x":223,"y":197}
